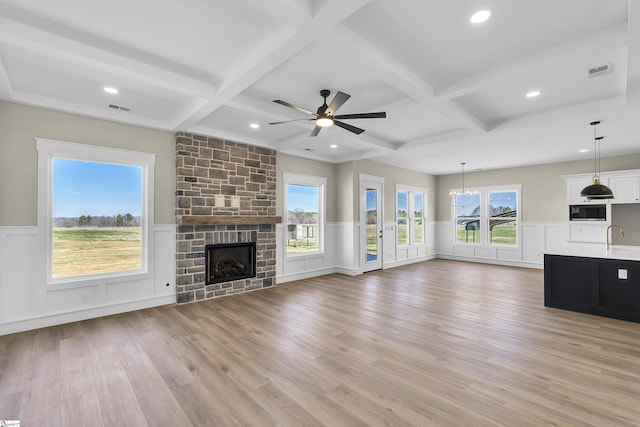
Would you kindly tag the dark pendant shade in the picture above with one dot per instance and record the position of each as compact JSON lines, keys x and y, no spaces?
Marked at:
{"x":597,"y":191}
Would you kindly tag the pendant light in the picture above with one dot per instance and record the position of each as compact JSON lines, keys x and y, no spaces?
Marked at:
{"x":596,"y":190}
{"x":454,"y":193}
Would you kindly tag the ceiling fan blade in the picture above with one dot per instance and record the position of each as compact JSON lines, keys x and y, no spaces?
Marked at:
{"x":337,"y":102}
{"x":295,"y":107}
{"x":381,"y":115}
{"x":315,"y":131}
{"x":291,"y":121}
{"x":350,"y":128}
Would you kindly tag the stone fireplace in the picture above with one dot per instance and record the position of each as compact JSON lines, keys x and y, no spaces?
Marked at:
{"x":225,"y":197}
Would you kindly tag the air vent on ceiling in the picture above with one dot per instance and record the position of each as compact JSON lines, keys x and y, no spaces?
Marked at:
{"x":118,"y":107}
{"x":599,"y":70}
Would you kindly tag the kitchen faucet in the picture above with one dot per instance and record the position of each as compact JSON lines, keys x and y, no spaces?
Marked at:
{"x":609,"y":228}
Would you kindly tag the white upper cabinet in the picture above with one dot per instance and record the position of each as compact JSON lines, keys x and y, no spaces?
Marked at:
{"x":626,"y":189}
{"x":624,"y":184}
{"x":575,"y":187}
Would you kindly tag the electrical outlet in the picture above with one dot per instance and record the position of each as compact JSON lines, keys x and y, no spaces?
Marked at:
{"x":622,"y":273}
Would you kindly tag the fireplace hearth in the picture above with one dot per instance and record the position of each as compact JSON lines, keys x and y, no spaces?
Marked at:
{"x":230,"y":261}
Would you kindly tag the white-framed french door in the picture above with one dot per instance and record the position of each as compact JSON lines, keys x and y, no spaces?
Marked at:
{"x":371,"y":221}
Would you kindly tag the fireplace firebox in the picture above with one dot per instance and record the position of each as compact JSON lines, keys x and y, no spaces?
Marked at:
{"x":230,"y":261}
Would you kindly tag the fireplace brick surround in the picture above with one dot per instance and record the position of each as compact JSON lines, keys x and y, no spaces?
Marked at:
{"x":225,"y":193}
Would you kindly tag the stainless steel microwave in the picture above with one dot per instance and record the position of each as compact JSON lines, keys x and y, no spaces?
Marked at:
{"x":588,"y":212}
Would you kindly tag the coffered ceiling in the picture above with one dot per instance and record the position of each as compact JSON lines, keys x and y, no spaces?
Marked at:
{"x":453,"y":91}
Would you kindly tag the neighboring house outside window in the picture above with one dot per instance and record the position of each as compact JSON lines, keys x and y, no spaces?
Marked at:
{"x":305,"y":213}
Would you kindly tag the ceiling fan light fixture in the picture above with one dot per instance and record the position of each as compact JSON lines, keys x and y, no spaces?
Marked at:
{"x":324,"y":121}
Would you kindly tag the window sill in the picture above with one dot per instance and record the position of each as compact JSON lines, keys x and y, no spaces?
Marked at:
{"x":96,"y":280}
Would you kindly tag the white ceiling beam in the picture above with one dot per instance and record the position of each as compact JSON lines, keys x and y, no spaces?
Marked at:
{"x":405,"y":80}
{"x":375,"y":144}
{"x":230,"y":136}
{"x":633,"y":51}
{"x":590,"y":110}
{"x":282,"y":46}
{"x":6,"y":91}
{"x":432,"y":139}
{"x":599,"y":42}
{"x":60,"y":48}
{"x":126,"y":117}
{"x":295,"y":13}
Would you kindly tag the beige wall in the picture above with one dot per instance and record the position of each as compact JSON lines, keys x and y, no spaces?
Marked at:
{"x":392,"y":176}
{"x":18,"y":160}
{"x":343,"y":181}
{"x":628,"y":217}
{"x":544,"y":195}
{"x":286,"y":163}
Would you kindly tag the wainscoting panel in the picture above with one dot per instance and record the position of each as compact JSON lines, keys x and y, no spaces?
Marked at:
{"x":535,"y":240}
{"x":27,"y":302}
{"x":19,"y":261}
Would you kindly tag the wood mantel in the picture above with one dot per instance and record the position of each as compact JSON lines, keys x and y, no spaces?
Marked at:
{"x":228,"y":220}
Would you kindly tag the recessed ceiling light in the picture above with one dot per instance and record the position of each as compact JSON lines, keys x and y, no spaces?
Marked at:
{"x":584,"y":150}
{"x":333,"y":146}
{"x":480,"y":16}
{"x":111,"y":90}
{"x":533,"y":94}
{"x":254,"y":126}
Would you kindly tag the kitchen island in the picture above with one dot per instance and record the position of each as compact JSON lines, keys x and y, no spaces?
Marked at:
{"x":606,"y":284}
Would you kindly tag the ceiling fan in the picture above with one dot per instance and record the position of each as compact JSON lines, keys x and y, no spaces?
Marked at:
{"x":325,"y":115}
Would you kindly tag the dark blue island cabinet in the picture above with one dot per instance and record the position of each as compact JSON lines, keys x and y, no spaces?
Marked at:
{"x":601,"y":286}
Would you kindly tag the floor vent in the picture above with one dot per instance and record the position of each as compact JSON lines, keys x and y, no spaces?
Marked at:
{"x":118,"y":107}
{"x":599,"y":70}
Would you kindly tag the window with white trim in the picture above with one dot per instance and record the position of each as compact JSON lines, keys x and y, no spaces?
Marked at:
{"x":411,"y":205}
{"x":96,"y":205}
{"x":304,"y":208}
{"x":487,"y":216}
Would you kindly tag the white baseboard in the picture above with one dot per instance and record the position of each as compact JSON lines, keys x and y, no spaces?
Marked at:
{"x":305,"y":275}
{"x":409,"y":261}
{"x":74,"y":316}
{"x":522,"y":264}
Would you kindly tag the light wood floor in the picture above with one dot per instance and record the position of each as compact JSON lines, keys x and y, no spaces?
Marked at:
{"x":437,"y":343}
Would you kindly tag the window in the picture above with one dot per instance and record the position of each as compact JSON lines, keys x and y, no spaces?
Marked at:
{"x":418,"y":218}
{"x":304,"y":208}
{"x":503,"y":220}
{"x":402,"y":214}
{"x":468,"y":218}
{"x":410,"y":215}
{"x":95,"y":205}
{"x":489,"y":216}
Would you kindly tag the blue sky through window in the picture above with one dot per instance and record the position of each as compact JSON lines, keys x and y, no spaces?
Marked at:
{"x":505,"y":199}
{"x":303,"y":197}
{"x":96,"y":189}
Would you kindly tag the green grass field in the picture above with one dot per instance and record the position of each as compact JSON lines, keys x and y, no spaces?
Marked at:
{"x":503,"y":234}
{"x":79,"y":251}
